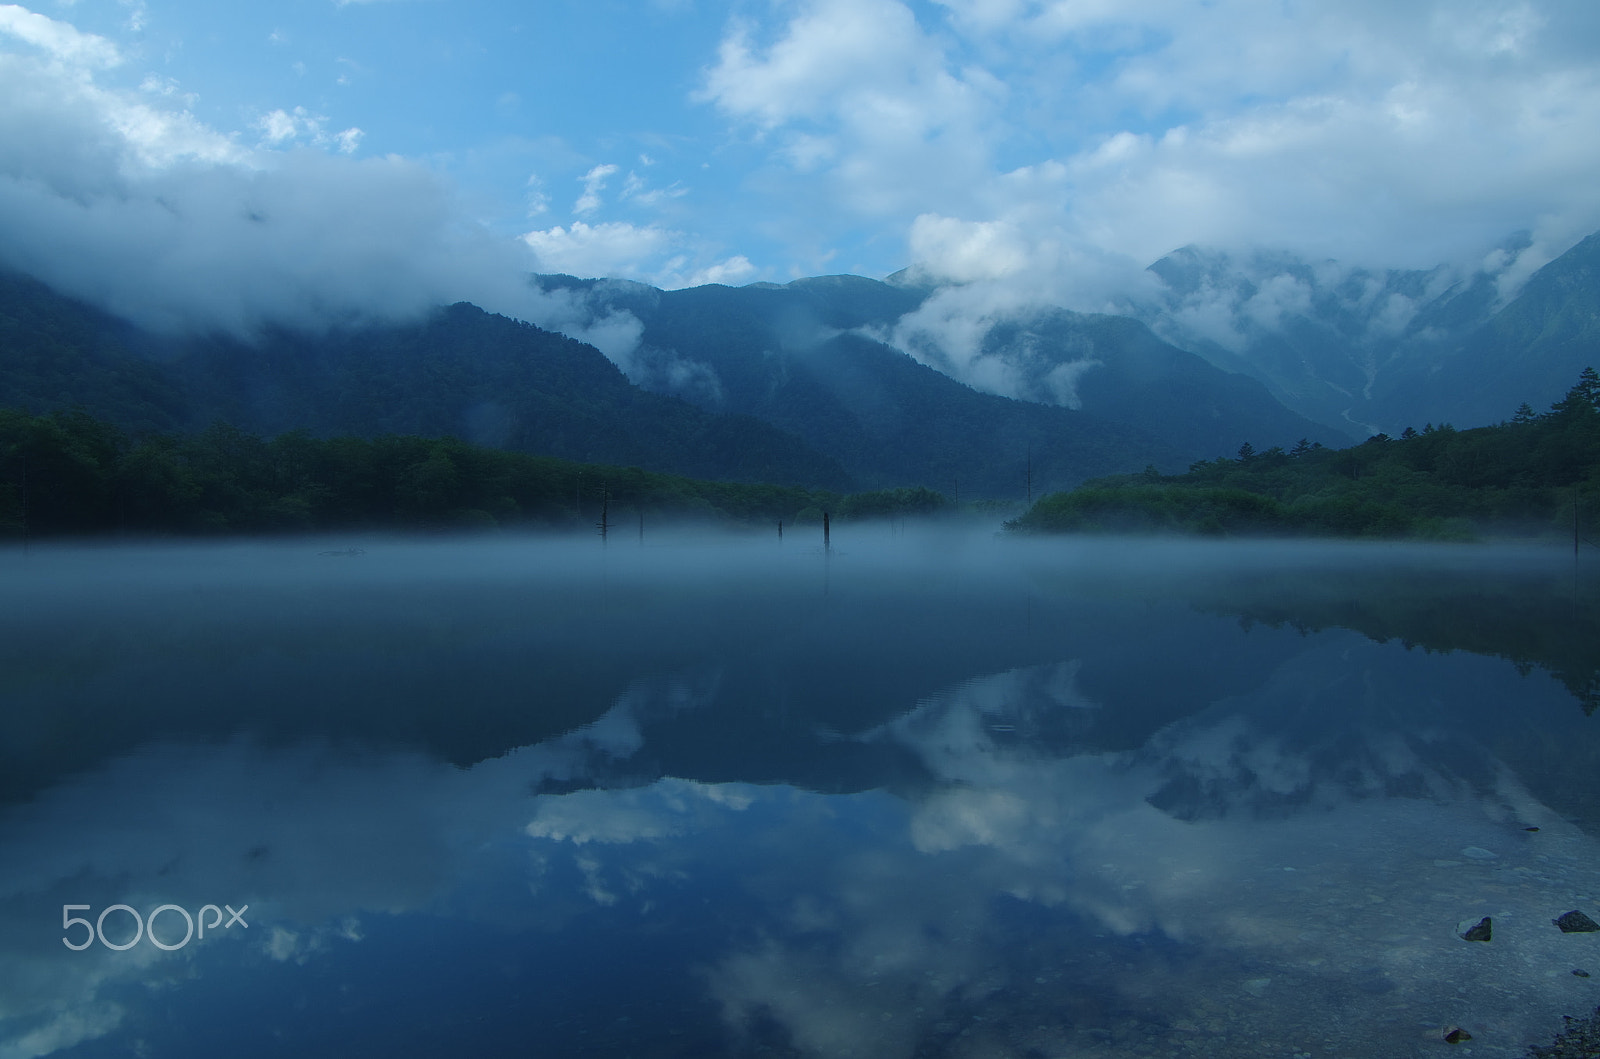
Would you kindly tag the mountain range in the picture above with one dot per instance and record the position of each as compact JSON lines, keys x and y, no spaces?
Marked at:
{"x":461,"y":371}
{"x":1371,"y":351}
{"x":813,"y":357}
{"x":780,"y":384}
{"x":845,"y":382}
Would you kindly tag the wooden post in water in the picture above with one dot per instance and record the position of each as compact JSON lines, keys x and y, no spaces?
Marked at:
{"x":826,"y":545}
{"x":641,"y":526}
{"x":605,"y":513}
{"x":780,"y":529}
{"x":1030,"y":474}
{"x":1575,"y":537}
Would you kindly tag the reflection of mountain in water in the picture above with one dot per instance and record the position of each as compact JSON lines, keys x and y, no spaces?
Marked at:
{"x":1536,"y":614}
{"x":913,"y":801}
{"x":467,"y":652}
{"x":1532,"y":613}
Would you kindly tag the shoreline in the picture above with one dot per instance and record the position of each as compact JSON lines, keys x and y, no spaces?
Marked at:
{"x":1579,"y":1040}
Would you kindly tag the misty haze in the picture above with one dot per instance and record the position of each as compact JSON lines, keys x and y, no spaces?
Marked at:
{"x":910,"y":529}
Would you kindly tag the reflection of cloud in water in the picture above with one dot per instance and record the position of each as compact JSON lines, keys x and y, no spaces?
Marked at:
{"x":667,"y":808}
{"x":1327,"y":928}
{"x":309,"y":837}
{"x":1032,"y":897}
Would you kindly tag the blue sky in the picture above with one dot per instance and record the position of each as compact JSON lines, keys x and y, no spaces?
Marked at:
{"x":394,"y":152}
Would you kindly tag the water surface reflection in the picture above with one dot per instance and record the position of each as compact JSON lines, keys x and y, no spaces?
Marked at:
{"x":929,"y":796}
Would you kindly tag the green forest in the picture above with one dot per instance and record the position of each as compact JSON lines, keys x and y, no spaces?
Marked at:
{"x":1531,"y":476}
{"x":71,"y":474}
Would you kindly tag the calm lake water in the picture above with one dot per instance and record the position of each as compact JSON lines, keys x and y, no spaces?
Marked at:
{"x":930,"y":794}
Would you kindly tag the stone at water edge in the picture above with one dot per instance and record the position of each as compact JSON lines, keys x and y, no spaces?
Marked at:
{"x":1455,"y":1035}
{"x":1575,"y":922}
{"x":1480,"y":932}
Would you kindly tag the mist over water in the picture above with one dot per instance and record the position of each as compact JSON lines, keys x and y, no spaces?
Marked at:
{"x":928,"y":792}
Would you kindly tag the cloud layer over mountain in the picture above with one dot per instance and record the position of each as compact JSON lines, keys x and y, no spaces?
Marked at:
{"x":1038,"y":150}
{"x":1037,"y":135}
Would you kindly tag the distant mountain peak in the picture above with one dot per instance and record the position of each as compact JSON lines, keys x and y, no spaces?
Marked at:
{"x":1351,"y":344}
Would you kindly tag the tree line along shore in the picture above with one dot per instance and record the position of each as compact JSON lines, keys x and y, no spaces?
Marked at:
{"x":68,"y":474}
{"x":71,"y":474}
{"x":1533,"y":475}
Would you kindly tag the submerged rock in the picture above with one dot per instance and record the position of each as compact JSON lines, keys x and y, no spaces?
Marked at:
{"x":1455,"y":1035}
{"x":1480,"y":932}
{"x":1575,"y":922}
{"x":1580,"y":972}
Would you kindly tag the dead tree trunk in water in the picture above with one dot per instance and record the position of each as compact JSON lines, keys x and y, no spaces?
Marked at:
{"x":826,"y":545}
{"x":605,"y":513}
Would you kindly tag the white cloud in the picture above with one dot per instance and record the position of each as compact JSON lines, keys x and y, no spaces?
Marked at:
{"x":1058,"y":146}
{"x":660,"y":256}
{"x":138,"y":14}
{"x":594,"y":182}
{"x":279,"y":128}
{"x":1381,"y":134}
{"x":124,"y":198}
{"x":535,"y":197}
{"x":731,"y":272}
{"x":637,"y":192}
{"x":1005,"y":271}
{"x":611,"y":248}
{"x":1282,"y":295}
{"x":59,"y":40}
{"x":963,"y":251}
{"x":857,"y":90}
{"x":832,"y":50}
